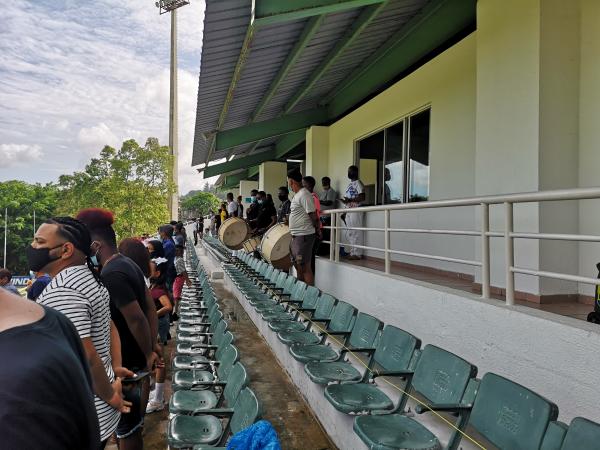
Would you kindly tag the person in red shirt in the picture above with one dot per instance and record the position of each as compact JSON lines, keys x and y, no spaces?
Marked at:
{"x":162,"y":302}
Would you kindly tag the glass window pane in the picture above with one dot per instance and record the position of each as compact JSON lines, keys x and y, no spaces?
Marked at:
{"x":370,"y":154}
{"x":419,"y":157}
{"x":393,"y":170}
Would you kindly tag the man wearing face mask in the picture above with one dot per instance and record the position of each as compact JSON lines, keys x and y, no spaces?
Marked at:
{"x":254,"y":208}
{"x":353,"y":198}
{"x":267,"y":215}
{"x":61,"y":248}
{"x":284,"y":210}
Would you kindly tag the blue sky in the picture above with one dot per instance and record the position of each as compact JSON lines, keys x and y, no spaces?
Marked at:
{"x":78,"y":74}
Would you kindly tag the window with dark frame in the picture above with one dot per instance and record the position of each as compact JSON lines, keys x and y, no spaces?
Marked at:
{"x":399,"y":155}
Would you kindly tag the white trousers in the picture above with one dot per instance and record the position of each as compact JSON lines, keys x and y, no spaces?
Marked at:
{"x":354,"y":237}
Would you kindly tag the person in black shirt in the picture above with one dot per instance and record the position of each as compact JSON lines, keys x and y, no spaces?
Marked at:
{"x":254,"y":208}
{"x":46,"y":398}
{"x":132,"y":311}
{"x":284,"y":210}
{"x":267,"y":216}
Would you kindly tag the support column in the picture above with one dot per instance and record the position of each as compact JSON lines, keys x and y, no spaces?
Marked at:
{"x":271,"y":175}
{"x":244,"y":190}
{"x":317,"y":153}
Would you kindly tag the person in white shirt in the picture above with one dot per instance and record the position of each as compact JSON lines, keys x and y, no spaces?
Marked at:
{"x":304,"y":227}
{"x":232,"y":205}
{"x":353,"y":198}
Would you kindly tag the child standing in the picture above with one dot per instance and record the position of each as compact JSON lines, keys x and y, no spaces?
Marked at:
{"x":182,"y":276}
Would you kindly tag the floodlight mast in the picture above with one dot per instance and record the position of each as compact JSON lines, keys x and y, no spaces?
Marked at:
{"x":171,"y":6}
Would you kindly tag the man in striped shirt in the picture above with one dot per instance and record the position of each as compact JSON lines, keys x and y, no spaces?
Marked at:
{"x":61,"y":248}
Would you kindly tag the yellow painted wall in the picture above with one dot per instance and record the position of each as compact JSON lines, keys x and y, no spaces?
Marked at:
{"x":447,"y":83}
{"x":271,"y":175}
{"x":317,"y":151}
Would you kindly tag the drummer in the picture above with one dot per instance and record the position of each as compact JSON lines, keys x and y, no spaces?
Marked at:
{"x":267,"y":215}
{"x":254,"y":208}
{"x":283,"y":213}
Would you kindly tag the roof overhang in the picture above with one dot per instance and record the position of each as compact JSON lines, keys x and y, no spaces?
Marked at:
{"x":285,"y":66}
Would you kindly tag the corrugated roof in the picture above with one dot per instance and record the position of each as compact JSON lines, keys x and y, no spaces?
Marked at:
{"x":226,"y":24}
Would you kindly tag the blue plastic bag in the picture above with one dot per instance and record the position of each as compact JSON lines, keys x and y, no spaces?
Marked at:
{"x":260,"y":436}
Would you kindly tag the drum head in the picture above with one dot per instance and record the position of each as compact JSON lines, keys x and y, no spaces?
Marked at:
{"x":275,"y":244}
{"x":233,"y":232}
{"x":251,"y":244}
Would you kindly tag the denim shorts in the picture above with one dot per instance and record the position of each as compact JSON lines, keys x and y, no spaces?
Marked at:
{"x":301,"y":249}
{"x":133,"y":420}
{"x":163,"y":329}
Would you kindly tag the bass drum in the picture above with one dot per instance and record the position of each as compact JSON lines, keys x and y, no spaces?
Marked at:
{"x":250,"y":245}
{"x":233,"y":232}
{"x":275,"y":246}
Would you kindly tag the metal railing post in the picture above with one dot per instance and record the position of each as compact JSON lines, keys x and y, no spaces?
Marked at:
{"x":509,"y":253}
{"x":332,"y":233}
{"x":337,"y":238}
{"x":386,"y":226}
{"x":485,"y":250}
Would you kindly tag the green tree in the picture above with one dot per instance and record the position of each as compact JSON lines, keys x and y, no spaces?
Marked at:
{"x":21,"y":199}
{"x":132,"y":182}
{"x":200,"y":203}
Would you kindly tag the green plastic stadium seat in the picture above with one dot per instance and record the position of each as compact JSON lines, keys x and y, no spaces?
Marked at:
{"x":206,"y":431}
{"x":396,"y":352}
{"x":582,"y":434}
{"x":322,"y":311}
{"x":362,"y":339}
{"x":341,"y":320}
{"x":446,"y":382}
{"x":202,"y":379}
{"x":195,"y":402}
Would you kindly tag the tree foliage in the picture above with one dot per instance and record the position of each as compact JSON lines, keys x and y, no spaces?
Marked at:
{"x":22,"y":199}
{"x":198,"y":204}
{"x":132,"y":182}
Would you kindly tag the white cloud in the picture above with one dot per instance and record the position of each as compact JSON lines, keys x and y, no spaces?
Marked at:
{"x":12,"y":155}
{"x":79,"y":75}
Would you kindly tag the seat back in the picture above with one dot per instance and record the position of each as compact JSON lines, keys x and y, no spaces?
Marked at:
{"x":343,"y":317}
{"x":365,"y":331}
{"x":311,"y":295}
{"x":229,"y":357}
{"x":441,"y":376}
{"x":245,"y":412}
{"x":219,"y":332}
{"x":226,"y":339}
{"x":395,"y":349}
{"x":582,"y":433}
{"x":324,"y":309}
{"x":283,"y":280}
{"x":237,"y":380}
{"x":297,"y":290}
{"x":216,"y":321}
{"x":510,"y":415}
{"x":275,"y":274}
{"x":554,"y":436}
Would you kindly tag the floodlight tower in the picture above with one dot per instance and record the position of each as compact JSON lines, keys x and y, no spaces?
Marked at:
{"x":165,"y":6}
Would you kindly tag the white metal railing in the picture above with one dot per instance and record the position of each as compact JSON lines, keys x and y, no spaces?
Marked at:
{"x":509,"y":235}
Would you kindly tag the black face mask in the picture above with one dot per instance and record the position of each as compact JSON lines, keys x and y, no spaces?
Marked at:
{"x":283,"y":198}
{"x":154,"y":254}
{"x":38,"y":258}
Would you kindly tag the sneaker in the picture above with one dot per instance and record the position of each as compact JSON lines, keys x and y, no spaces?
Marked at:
{"x":154,"y":406}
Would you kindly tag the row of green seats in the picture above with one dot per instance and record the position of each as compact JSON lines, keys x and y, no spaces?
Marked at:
{"x":320,"y":332}
{"x":211,"y":399}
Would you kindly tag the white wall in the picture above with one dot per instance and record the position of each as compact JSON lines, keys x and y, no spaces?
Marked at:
{"x":551,"y":354}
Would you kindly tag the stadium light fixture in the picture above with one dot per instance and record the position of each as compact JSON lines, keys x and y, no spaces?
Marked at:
{"x":166,"y":6}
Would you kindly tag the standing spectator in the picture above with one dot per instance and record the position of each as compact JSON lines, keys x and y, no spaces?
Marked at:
{"x":46,"y":398}
{"x":267,"y":215}
{"x":284,"y":210}
{"x":35,"y":289}
{"x":213,"y":223}
{"x":253,"y":209}
{"x":179,"y":236}
{"x":232,"y":205}
{"x":135,"y":250}
{"x":303,"y":227}
{"x":309,"y":182}
{"x":5,"y":277}
{"x":240,"y":207}
{"x":198,"y":229}
{"x":354,"y":196}
{"x":328,"y":196}
{"x":223,"y":213}
{"x":162,"y":303}
{"x":166,"y":237}
{"x":155,"y":249}
{"x":182,"y":276}
{"x":129,"y":310}
{"x":61,"y":248}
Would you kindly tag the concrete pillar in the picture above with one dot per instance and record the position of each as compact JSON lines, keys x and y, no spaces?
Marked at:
{"x":317,"y":153}
{"x":244,"y":190}
{"x":527,"y":125}
{"x":271,"y":175}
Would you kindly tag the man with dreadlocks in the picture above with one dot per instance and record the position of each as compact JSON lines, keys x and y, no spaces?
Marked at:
{"x":133,"y":314}
{"x":61,"y":248}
